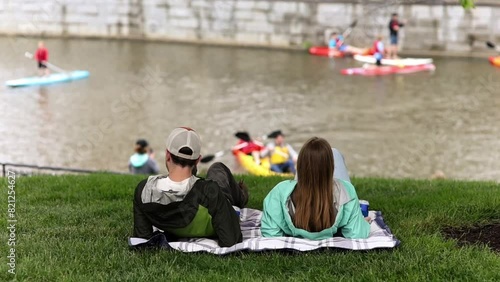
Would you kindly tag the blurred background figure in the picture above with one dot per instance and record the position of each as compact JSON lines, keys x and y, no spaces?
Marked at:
{"x":282,"y":156}
{"x":248,"y":146}
{"x":142,"y":162}
{"x":42,"y":56}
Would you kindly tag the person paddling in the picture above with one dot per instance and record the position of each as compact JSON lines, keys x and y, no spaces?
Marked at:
{"x":378,"y":48}
{"x":394,"y":26}
{"x":42,"y":56}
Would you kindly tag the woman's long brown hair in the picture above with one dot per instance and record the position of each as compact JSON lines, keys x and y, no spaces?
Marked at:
{"x":313,"y":195}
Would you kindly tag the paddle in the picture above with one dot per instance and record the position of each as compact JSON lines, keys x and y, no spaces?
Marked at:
{"x":349,"y":29}
{"x":209,"y":158}
{"x":49,"y":65}
{"x":492,"y":46}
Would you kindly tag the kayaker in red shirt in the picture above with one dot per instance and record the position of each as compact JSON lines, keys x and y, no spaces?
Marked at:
{"x":248,"y":146}
{"x":42,"y":56}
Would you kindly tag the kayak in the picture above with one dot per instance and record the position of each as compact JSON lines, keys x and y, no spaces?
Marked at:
{"x":495,"y":61}
{"x":386,"y":70}
{"x":251,"y":167}
{"x":394,"y":62}
{"x":325,"y":51}
{"x":49,"y":79}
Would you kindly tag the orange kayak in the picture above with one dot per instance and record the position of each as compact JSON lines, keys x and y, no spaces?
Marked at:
{"x":495,"y":61}
{"x":326,"y":52}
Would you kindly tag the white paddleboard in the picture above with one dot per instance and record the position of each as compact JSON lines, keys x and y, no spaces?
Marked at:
{"x":394,"y":62}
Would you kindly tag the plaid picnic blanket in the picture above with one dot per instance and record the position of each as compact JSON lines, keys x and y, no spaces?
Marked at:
{"x":380,"y":237}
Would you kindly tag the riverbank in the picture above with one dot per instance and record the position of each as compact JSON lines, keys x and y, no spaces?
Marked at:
{"x":478,"y":53}
{"x":446,"y":26}
{"x":76,"y":228}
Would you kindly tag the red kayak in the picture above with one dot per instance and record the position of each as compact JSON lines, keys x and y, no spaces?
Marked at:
{"x":386,"y":70}
{"x":325,"y":51}
{"x":495,"y":61}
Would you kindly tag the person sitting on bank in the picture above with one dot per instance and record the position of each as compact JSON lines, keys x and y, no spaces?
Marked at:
{"x":248,"y":146}
{"x":142,"y":162}
{"x":185,"y":206}
{"x":281,"y":155}
{"x":317,"y":205}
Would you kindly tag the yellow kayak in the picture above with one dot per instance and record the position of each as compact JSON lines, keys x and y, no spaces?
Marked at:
{"x":264,"y":169}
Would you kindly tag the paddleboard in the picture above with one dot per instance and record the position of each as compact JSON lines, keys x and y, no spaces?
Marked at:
{"x":49,"y":79}
{"x":394,"y":62}
{"x":386,"y":70}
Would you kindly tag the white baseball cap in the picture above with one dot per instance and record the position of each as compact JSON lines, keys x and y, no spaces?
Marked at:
{"x":184,"y":137}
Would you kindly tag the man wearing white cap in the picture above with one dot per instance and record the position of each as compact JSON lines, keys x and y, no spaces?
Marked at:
{"x":184,"y":205}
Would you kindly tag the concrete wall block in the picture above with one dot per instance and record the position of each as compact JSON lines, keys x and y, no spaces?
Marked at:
{"x":285,"y":7}
{"x":244,"y":5}
{"x":333,"y":14}
{"x":200,"y":4}
{"x":205,"y":25}
{"x":181,"y":34}
{"x":180,"y":12}
{"x":79,"y":18}
{"x":121,"y":9}
{"x":262,"y":5}
{"x":91,"y":8}
{"x":222,"y":14}
{"x":279,"y":40}
{"x":421,"y":12}
{"x":176,"y":3}
{"x":275,"y":18}
{"x":305,"y":10}
{"x":251,"y":38}
{"x":454,"y":11}
{"x":190,"y":23}
{"x":256,"y":26}
{"x":298,"y":28}
{"x":30,"y":7}
{"x":223,"y":26}
{"x":243,"y":15}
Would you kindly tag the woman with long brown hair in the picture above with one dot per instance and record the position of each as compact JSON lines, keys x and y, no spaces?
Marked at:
{"x":317,"y":205}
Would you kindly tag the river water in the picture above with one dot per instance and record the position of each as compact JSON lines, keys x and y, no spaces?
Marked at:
{"x":392,"y":126}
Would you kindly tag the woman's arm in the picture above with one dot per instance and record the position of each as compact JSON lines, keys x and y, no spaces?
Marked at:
{"x":271,"y":213}
{"x":356,"y":227}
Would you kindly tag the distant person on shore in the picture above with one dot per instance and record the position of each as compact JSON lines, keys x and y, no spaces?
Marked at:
{"x":42,"y":56}
{"x":394,"y":26}
{"x":281,"y":155}
{"x":142,"y":162}
{"x":183,"y":205}
{"x":320,"y":204}
{"x":248,"y":146}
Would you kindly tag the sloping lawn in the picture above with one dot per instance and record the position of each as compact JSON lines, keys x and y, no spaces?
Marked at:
{"x":75,"y":228}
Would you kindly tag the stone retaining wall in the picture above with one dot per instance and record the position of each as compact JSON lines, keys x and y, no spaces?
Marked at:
{"x":440,"y":25}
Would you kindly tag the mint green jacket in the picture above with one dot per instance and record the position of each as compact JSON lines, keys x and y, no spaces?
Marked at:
{"x":277,"y":222}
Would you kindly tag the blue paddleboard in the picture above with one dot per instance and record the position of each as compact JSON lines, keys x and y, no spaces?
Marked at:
{"x":49,"y":79}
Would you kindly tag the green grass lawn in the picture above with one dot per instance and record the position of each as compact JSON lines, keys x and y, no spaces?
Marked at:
{"x":75,"y":228}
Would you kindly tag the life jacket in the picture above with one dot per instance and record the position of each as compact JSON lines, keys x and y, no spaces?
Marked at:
{"x":280,"y":155}
{"x":249,"y":147}
{"x":375,"y":47}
